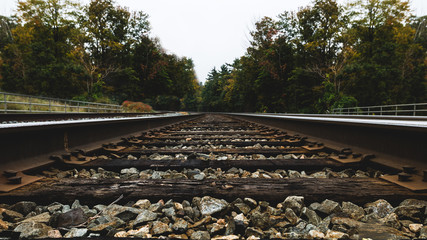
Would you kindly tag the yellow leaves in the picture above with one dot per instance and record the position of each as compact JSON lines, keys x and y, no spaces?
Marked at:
{"x":229,"y":88}
{"x":312,"y":46}
{"x":350,"y":53}
{"x":403,"y":35}
{"x":23,"y":34}
{"x":115,"y":46}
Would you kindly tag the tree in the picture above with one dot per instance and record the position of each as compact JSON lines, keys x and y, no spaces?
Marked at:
{"x":317,"y":34}
{"x":112,"y":33}
{"x":389,"y":65}
{"x":37,"y":60}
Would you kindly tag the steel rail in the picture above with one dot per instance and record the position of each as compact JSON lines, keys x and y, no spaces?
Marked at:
{"x":19,"y":117}
{"x":395,"y":142}
{"x":371,"y":117}
{"x":30,"y":145}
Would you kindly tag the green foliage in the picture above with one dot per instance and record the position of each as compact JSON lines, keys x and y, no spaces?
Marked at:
{"x":345,"y":101}
{"x":215,"y":89}
{"x":191,"y":102}
{"x":36,"y":57}
{"x":123,"y":84}
{"x":96,"y":52}
{"x":389,"y":66}
{"x":326,"y":56}
{"x":167,"y":102}
{"x":323,"y":56}
{"x":330,"y":99}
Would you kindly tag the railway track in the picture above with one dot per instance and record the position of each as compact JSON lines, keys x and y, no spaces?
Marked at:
{"x":31,"y":117}
{"x":215,"y":176}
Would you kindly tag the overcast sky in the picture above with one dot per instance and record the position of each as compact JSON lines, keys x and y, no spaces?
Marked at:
{"x":211,"y":32}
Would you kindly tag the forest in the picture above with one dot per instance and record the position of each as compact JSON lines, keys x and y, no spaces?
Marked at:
{"x":97,"y":52}
{"x":323,"y":56}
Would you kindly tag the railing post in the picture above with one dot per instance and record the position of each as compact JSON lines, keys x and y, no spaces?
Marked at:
{"x":415,"y":109}
{"x":395,"y":110}
{"x":78,"y":107}
{"x":5,"y":103}
{"x":65,"y":106}
{"x":50,"y":105}
{"x":30,"y":104}
{"x":381,"y":110}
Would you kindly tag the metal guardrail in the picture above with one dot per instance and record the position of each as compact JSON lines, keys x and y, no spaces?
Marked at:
{"x":20,"y":103}
{"x":413,"y":109}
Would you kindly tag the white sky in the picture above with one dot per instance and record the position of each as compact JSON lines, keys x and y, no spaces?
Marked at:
{"x":211,"y":32}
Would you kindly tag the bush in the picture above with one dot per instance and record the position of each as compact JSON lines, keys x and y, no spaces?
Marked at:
{"x":129,"y":106}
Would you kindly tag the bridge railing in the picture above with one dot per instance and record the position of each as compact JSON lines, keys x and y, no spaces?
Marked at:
{"x":413,"y":109}
{"x":20,"y":103}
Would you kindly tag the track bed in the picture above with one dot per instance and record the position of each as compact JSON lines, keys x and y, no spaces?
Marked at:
{"x":213,"y":177}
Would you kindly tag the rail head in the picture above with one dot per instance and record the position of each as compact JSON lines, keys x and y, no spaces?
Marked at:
{"x":418,"y":124}
{"x":81,"y":122}
{"x":50,"y":116}
{"x":371,"y":117}
{"x":29,"y":145}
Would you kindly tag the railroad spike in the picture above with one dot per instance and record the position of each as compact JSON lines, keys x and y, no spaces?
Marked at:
{"x":404,"y":177}
{"x":408,"y":169}
{"x":10,"y":173}
{"x":15,"y":180}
